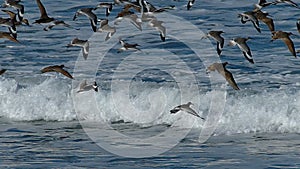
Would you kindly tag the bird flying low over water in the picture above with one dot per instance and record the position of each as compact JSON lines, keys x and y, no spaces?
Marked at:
{"x":2,"y":71}
{"x":250,"y":16}
{"x":186,"y":108}
{"x":58,"y":69}
{"x":221,"y":68}
{"x":159,"y":27}
{"x":44,"y":18}
{"x":241,"y":43}
{"x":216,"y":35}
{"x":84,"y":44}
{"x":127,"y":46}
{"x":285,"y":36}
{"x":86,"y":87}
{"x":88,"y":13}
{"x":265,"y":19}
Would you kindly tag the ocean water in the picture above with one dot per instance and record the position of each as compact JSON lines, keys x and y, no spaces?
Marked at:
{"x":46,"y":123}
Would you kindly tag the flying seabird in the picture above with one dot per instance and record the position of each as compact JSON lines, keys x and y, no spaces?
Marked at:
{"x":159,"y":27}
{"x":127,"y":46}
{"x":216,"y":35}
{"x":221,"y":68}
{"x":58,"y":69}
{"x":250,"y":16}
{"x":285,"y":36}
{"x":263,"y":17}
{"x":84,"y":44}
{"x":89,"y":13}
{"x":86,"y":87}
{"x":186,"y":108}
{"x":241,"y":43}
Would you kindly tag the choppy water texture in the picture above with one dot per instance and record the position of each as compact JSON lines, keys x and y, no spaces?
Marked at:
{"x":40,"y":113}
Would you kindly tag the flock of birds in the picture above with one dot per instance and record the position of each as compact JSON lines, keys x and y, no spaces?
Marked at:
{"x":147,"y":11}
{"x":253,"y":16}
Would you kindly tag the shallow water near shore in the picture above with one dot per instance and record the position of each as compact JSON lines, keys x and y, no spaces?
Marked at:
{"x":65,"y":145}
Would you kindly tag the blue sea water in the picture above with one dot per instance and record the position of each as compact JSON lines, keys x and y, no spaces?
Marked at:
{"x":45,"y":123}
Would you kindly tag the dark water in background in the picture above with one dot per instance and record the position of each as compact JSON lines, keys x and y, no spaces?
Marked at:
{"x":258,"y":129}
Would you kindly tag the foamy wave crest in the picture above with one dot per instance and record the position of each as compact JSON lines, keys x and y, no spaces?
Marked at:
{"x":148,"y":104}
{"x":267,"y":111}
{"x":49,"y":100}
{"x":145,"y":104}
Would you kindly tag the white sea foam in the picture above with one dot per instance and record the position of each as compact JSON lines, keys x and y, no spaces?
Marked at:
{"x":49,"y":100}
{"x":246,"y":111}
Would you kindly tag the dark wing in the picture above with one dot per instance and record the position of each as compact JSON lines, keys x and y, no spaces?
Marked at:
{"x":94,"y":24}
{"x":175,"y":110}
{"x":289,"y":43}
{"x":269,"y":22}
{"x":190,"y":4}
{"x":248,"y":56}
{"x":220,"y":44}
{"x":7,"y":36}
{"x":48,"y":69}
{"x":21,"y":12}
{"x":2,"y":71}
{"x":246,"y":51}
{"x":256,"y":25}
{"x":229,"y":78}
{"x":108,"y":10}
{"x":64,"y":72}
{"x":42,"y":9}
